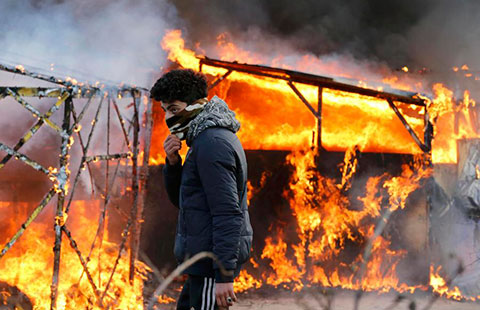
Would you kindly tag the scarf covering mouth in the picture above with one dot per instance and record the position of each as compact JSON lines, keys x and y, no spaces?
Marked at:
{"x":179,"y":123}
{"x":215,"y":113}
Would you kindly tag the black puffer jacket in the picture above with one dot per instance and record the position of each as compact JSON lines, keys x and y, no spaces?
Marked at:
{"x":211,"y":192}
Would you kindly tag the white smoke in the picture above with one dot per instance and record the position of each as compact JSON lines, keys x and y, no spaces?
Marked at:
{"x":112,"y":41}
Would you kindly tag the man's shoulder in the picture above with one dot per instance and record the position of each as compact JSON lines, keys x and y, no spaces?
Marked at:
{"x":217,"y":140}
{"x":215,"y":133}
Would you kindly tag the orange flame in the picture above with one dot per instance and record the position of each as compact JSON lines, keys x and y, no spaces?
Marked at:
{"x":29,"y":263}
{"x":366,"y":122}
{"x":265,"y":108}
{"x":326,"y":224}
{"x":453,"y":120}
{"x":439,"y":286}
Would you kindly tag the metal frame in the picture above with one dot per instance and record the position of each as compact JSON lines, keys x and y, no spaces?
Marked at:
{"x":322,"y":82}
{"x":66,"y":92}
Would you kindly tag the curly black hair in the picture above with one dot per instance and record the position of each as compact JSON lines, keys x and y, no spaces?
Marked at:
{"x":181,"y":84}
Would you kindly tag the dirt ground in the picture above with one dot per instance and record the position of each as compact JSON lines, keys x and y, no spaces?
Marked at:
{"x":342,"y":300}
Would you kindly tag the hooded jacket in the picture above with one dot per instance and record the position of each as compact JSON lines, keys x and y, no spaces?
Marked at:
{"x":210,"y":190}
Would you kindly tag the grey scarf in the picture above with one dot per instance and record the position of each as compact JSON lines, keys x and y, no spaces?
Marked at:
{"x":215,"y":114}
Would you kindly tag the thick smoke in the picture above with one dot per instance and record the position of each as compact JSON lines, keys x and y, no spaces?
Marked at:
{"x":88,"y":39}
{"x":436,"y":34}
{"x":119,"y":40}
{"x":427,"y":35}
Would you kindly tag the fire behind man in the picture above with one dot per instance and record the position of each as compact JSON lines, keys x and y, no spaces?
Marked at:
{"x":210,"y":188}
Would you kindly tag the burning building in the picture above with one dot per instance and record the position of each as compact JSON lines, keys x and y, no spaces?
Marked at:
{"x":340,"y":189}
{"x":363,"y":178}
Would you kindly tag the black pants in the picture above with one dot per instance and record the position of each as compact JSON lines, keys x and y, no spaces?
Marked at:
{"x":198,"y":293}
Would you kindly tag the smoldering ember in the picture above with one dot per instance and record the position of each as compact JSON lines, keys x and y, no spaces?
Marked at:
{"x":360,"y":128}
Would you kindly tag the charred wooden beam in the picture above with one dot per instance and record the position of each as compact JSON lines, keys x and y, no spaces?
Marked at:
{"x":36,"y":113}
{"x":134,"y":245}
{"x":75,"y":128}
{"x":302,"y":98}
{"x":127,"y":91}
{"x":51,"y":92}
{"x":38,"y":76}
{"x":74,"y":246}
{"x":417,"y":140}
{"x":24,"y":158}
{"x":35,"y":128}
{"x":39,"y":92}
{"x":29,"y":220}
{"x":121,"y":90}
{"x":143,"y":174}
{"x":219,"y":80}
{"x":84,"y":150}
{"x":427,"y":131}
{"x":122,"y":123}
{"x":60,"y":212}
{"x":94,"y":124}
{"x":319,"y":118}
{"x":95,"y":158}
{"x":310,"y":79}
{"x":147,"y":137}
{"x":78,"y":119}
{"x":101,"y":218}
{"x":112,"y":183}
{"x":125,"y":235}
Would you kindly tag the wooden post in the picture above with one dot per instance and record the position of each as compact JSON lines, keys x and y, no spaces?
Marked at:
{"x":29,"y":220}
{"x":135,"y":190}
{"x":101,"y":220}
{"x":62,"y":180}
{"x":427,"y":131}
{"x":35,"y":128}
{"x":143,"y":176}
{"x":319,"y":118}
{"x":122,"y":123}
{"x":407,"y":126}
{"x":84,"y":152}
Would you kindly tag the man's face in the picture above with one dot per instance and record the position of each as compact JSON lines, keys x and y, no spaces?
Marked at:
{"x":173,"y":108}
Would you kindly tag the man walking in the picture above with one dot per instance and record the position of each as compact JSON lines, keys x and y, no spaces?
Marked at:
{"x":210,"y":188}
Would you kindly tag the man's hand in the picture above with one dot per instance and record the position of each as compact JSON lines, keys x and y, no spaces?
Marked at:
{"x":222,"y":292}
{"x":171,"y":146}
